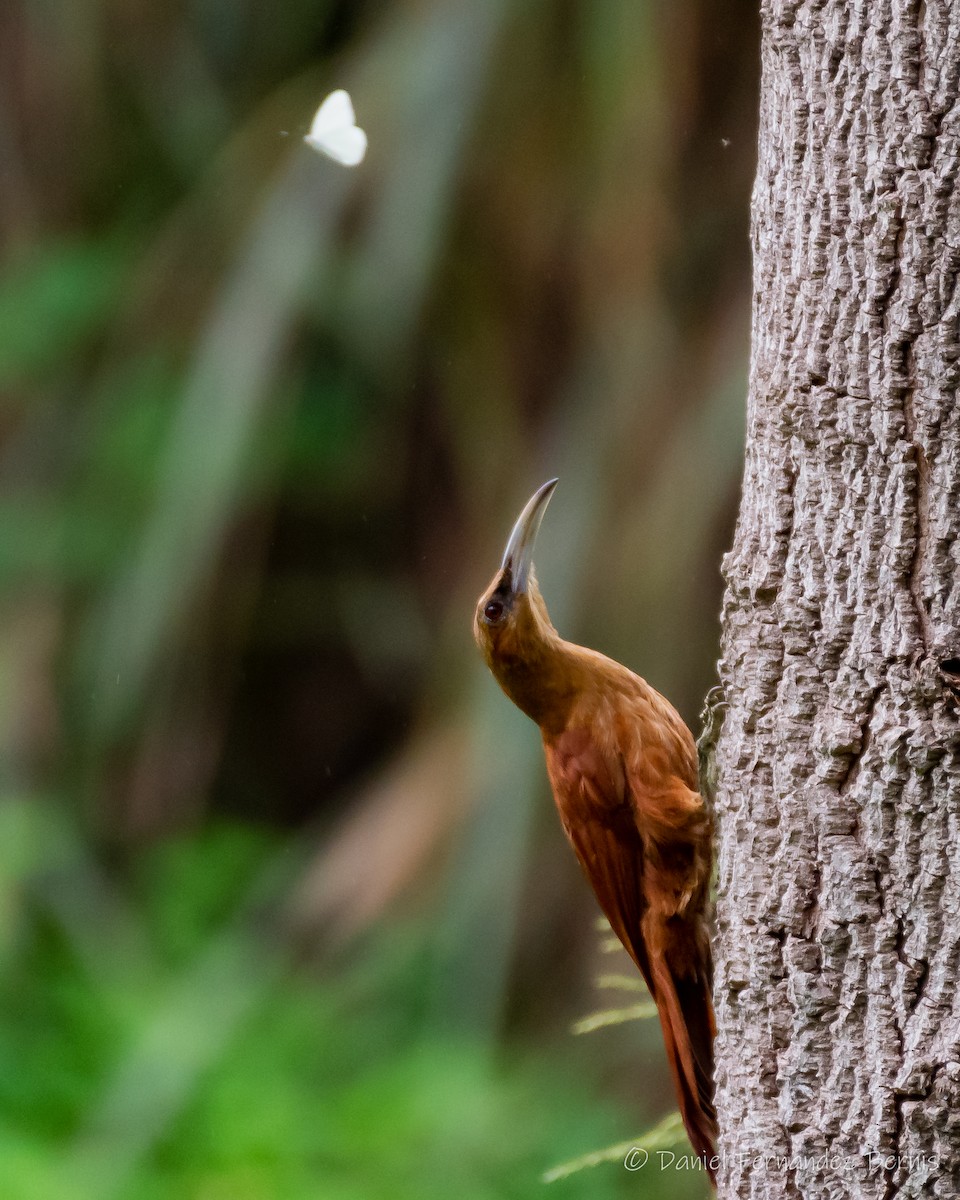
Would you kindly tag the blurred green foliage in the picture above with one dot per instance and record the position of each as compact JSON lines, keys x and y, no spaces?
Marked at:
{"x":55,"y":302}
{"x":129,"y":1069}
{"x":284,"y":910}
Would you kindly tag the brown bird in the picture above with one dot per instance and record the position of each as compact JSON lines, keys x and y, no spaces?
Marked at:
{"x":623,"y":768}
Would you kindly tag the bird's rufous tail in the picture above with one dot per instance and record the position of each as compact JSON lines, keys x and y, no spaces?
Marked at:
{"x":686,"y":1017}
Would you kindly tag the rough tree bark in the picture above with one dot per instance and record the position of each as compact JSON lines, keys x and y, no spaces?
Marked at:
{"x":839,"y":759}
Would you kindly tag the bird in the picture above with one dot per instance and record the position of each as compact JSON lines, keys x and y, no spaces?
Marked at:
{"x":623,"y":769}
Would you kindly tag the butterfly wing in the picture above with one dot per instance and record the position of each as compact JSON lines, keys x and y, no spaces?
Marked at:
{"x":334,"y":131}
{"x":346,"y":146}
{"x":336,"y":112}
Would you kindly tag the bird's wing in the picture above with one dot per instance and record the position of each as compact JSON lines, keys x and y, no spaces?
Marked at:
{"x":676,"y":832}
{"x":589,"y":787}
{"x":642,"y":838}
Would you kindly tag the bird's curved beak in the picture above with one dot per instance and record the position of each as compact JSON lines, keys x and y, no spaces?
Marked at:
{"x":518,"y":556}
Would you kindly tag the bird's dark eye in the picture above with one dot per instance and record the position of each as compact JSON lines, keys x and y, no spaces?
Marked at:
{"x":493,"y":611}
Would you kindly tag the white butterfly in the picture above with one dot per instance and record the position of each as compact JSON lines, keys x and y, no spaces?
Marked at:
{"x":335,"y":132}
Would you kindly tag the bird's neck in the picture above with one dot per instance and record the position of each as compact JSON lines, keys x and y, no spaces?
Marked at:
{"x":538,"y":670}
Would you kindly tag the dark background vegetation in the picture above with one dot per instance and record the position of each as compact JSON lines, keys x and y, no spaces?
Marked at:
{"x":284,"y":907}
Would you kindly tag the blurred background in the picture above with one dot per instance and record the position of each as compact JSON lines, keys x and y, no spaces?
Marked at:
{"x":285,"y":909}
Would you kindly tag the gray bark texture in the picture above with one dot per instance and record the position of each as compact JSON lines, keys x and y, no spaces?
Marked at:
{"x":838,"y":940}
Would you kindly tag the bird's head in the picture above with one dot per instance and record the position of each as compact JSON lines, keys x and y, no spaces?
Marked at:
{"x":511,"y":624}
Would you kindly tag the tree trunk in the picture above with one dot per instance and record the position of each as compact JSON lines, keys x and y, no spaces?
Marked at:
{"x":839,"y":760}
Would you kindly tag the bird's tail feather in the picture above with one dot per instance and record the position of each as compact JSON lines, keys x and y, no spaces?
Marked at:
{"x":686,"y":1016}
